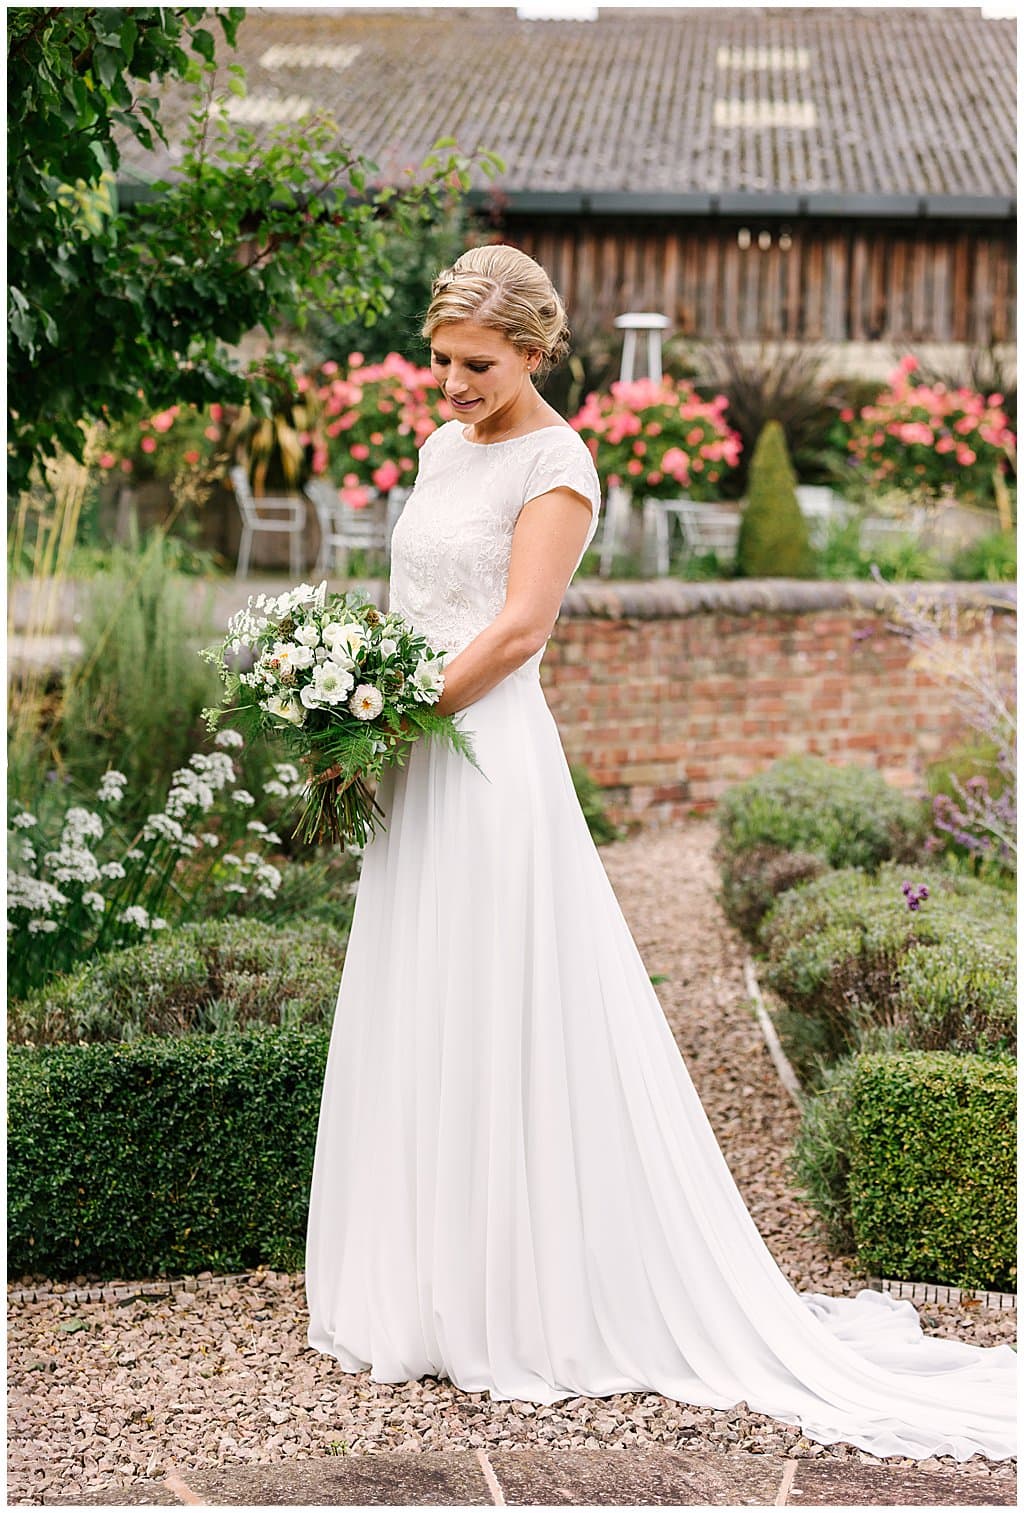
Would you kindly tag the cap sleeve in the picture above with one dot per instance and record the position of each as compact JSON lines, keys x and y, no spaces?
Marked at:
{"x":564,"y":462}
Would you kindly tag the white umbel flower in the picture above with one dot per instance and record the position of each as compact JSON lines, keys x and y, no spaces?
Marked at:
{"x":367,"y":702}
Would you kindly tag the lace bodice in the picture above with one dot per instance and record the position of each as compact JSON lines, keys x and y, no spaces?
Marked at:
{"x":452,"y":543}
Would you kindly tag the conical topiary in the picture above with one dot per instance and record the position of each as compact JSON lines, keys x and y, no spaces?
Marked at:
{"x":773,"y":540}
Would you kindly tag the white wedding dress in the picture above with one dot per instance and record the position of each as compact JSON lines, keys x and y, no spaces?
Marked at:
{"x":515,"y":1184}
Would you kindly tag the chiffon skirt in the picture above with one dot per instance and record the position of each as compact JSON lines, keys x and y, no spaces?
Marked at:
{"x":515,"y":1185}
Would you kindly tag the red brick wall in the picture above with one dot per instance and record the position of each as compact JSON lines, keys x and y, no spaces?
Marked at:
{"x":670,"y":692}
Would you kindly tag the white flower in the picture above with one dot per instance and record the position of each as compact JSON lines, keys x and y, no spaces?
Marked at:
{"x":135,"y":914}
{"x":284,"y":707}
{"x":22,"y":821}
{"x":156,"y":923}
{"x":210,"y":838}
{"x":46,"y":926}
{"x":111,"y":789}
{"x":163,"y":825}
{"x":216,"y":767}
{"x":367,"y":702}
{"x":81,"y":824}
{"x":240,"y":796}
{"x":71,"y":864}
{"x":428,"y":680}
{"x":24,"y":892}
{"x":286,"y":772}
{"x":388,"y":647}
{"x":290,"y":655}
{"x":228,"y":738}
{"x":331,"y":683}
{"x":112,"y":869}
{"x":345,"y":640}
{"x":307,"y":635}
{"x":94,"y":901}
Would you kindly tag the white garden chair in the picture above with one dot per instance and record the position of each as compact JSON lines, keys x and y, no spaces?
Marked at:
{"x":615,"y":528}
{"x":703,"y":527}
{"x":877,"y":529}
{"x":820,"y":506}
{"x":344,"y":529}
{"x":254,"y":521}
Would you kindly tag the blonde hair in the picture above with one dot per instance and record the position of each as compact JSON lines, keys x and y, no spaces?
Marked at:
{"x":500,"y":287}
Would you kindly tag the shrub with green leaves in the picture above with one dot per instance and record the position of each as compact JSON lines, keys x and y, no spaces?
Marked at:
{"x":991,"y":558}
{"x":773,"y":540}
{"x":858,"y":963}
{"x":163,"y":1155}
{"x":911,"y":1161}
{"x":801,"y":816}
{"x":602,"y":828}
{"x":205,"y":977}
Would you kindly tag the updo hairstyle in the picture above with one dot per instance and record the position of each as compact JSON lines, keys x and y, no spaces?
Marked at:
{"x":501,"y":287}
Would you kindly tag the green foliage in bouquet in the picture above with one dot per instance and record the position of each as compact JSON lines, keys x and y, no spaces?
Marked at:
{"x":347,"y":687}
{"x":773,"y":540}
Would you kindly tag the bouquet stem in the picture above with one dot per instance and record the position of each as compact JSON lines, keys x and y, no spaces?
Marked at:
{"x":339,"y":810}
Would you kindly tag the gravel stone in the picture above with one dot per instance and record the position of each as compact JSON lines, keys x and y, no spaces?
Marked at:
{"x":220,"y":1372}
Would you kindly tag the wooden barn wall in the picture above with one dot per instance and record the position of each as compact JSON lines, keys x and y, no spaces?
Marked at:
{"x":838,"y":281}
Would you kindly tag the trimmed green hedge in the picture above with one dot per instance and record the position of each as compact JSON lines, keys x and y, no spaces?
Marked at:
{"x":911,"y":1160}
{"x":204,"y":976}
{"x":163,"y":1156}
{"x":801,"y":816}
{"x":855,"y":968}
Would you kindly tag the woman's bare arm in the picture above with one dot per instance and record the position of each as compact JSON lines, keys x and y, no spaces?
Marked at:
{"x":546,"y":545}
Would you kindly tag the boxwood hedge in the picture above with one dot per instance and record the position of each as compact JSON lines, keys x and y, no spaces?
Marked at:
{"x":162,"y":1155}
{"x":910,"y":1158}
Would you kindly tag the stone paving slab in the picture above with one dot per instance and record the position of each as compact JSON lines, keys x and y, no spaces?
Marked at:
{"x":553,"y":1478}
{"x":657,"y":1478}
{"x":832,"y":1484}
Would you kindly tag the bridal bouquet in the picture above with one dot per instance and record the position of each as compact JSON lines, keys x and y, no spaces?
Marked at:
{"x":349,"y":688}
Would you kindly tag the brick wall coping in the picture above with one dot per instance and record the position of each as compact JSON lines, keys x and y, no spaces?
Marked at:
{"x":673,"y":599}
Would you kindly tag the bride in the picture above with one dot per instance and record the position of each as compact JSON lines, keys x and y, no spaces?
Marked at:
{"x":515,"y":1184}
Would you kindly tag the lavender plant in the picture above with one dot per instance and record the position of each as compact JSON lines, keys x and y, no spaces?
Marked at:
{"x":960,"y":647}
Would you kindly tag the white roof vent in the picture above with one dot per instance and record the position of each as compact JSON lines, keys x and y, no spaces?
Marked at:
{"x":763,"y":113}
{"x":268,"y":110}
{"x":299,"y":55}
{"x":763,"y":57}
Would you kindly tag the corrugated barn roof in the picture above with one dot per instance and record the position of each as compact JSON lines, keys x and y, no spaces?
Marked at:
{"x":825,"y":101}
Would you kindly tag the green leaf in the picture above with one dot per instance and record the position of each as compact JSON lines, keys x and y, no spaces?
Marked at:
{"x":204,"y":44}
{"x":106,"y":61}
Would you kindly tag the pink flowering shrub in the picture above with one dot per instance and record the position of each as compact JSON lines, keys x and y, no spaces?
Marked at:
{"x":373,"y":419}
{"x":926,"y":438}
{"x":658,"y":439}
{"x":160,"y":445}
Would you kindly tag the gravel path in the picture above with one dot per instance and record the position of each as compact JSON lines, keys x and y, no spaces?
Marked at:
{"x":102,"y":1393}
